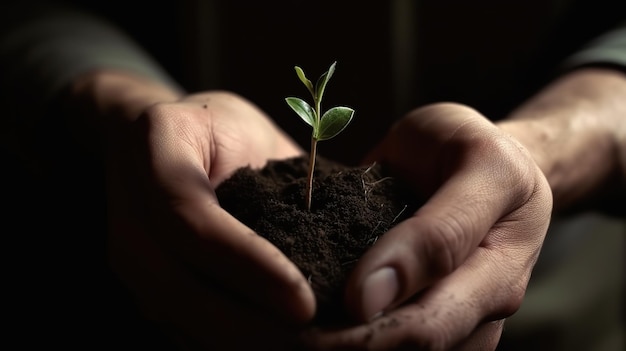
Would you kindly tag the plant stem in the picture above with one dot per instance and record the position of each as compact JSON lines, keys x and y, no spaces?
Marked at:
{"x":309,"y":187}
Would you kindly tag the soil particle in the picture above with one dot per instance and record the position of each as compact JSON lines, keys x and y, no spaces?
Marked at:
{"x":351,"y":208}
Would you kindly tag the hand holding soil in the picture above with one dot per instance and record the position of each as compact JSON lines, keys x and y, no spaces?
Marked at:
{"x":431,"y":273}
{"x":201,"y":275}
{"x":449,"y":274}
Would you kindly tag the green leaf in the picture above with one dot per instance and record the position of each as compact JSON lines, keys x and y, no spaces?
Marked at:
{"x":305,"y":80}
{"x":322,"y":81}
{"x":303,"y":109}
{"x":333,"y":122}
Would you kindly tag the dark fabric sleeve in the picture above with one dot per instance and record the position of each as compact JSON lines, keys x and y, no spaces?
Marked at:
{"x":608,"y":49}
{"x":45,"y":46}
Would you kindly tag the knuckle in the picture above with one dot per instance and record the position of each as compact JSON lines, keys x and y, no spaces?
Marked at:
{"x":520,"y":174}
{"x":513,"y":301}
{"x":159,"y":110}
{"x":433,"y":338}
{"x":445,"y":241}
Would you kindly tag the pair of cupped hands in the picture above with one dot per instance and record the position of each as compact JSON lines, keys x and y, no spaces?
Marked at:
{"x":445,"y":278}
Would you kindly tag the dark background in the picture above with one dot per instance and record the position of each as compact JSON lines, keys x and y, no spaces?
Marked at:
{"x":59,"y":289}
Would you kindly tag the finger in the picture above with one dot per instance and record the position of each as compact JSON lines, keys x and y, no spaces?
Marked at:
{"x":484,"y":338}
{"x":248,"y":263}
{"x":489,"y":285}
{"x":445,"y":316}
{"x":190,"y":223}
{"x":194,"y":313}
{"x":435,"y":240}
{"x":242,"y":135}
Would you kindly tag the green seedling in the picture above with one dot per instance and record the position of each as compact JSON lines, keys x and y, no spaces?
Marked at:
{"x":325,"y":126}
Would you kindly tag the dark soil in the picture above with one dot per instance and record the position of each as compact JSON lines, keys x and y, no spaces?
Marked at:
{"x":352,"y":207}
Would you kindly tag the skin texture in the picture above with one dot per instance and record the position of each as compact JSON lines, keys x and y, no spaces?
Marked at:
{"x":470,"y":257}
{"x":443,"y":279}
{"x":582,"y":116}
{"x":181,"y":254}
{"x":469,"y":250}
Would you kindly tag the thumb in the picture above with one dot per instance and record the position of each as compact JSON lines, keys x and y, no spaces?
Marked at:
{"x":215,"y":244}
{"x":436,"y":240}
{"x":177,"y":201}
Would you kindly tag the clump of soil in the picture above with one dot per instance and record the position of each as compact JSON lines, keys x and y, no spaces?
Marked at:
{"x":351,"y":208}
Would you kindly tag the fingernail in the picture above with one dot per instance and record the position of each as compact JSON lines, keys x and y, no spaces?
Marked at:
{"x":379,"y":291}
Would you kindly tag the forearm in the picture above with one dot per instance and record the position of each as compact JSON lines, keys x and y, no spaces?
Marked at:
{"x":576,"y":131}
{"x":43,"y":53}
{"x":49,"y":48}
{"x":98,"y":102}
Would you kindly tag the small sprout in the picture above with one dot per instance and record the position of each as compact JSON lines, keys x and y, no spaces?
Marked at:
{"x":325,"y":126}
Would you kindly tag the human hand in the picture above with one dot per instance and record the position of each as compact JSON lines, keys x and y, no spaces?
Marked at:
{"x":448,"y":276}
{"x":203,"y":276}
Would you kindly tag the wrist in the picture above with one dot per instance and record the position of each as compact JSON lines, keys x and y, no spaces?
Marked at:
{"x":575,"y":130}
{"x":113,"y":95}
{"x":98,"y":103}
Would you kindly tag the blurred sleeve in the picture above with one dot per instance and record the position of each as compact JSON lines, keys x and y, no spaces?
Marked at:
{"x":608,"y":49}
{"x":44,"y":45}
